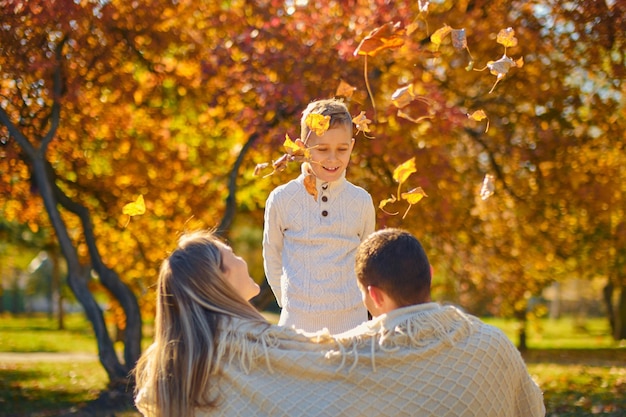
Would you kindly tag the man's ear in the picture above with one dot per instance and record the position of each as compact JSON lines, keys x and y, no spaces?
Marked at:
{"x":377,"y":295}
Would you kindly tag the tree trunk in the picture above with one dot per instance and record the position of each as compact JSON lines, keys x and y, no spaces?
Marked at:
{"x":521,"y":333}
{"x":607,"y":293}
{"x":56,"y":299}
{"x":619,"y":332}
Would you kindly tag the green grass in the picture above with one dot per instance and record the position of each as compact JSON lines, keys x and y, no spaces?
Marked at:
{"x":582,"y":371}
{"x":564,"y":333}
{"x":30,"y":387}
{"x":39,"y":333}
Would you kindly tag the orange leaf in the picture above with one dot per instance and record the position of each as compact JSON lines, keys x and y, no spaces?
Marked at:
{"x":387,"y":36}
{"x":309,"y":184}
{"x":135,"y":208}
{"x":344,"y":90}
{"x":361,"y":122}
{"x":403,"y":171}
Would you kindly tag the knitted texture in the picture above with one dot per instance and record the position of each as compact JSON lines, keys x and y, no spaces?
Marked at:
{"x":424,"y":360}
{"x":308,"y":252}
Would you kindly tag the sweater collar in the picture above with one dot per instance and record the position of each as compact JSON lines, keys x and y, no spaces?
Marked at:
{"x":327,"y":186}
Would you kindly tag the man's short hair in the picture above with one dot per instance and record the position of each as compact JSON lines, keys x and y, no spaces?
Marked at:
{"x":395,"y":261}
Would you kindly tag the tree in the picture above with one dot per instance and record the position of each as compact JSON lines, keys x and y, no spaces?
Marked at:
{"x":177,"y":102}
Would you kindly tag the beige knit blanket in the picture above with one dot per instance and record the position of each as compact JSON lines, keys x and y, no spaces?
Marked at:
{"x":426,"y":360}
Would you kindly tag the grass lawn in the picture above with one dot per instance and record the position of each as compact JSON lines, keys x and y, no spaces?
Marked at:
{"x":581,"y":370}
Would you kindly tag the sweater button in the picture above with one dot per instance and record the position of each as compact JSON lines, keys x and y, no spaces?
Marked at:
{"x":324,"y":198}
{"x":324,"y":213}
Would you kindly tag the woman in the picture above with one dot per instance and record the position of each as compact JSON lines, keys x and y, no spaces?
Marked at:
{"x":201,"y":286}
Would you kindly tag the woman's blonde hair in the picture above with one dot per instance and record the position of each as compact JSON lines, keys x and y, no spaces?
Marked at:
{"x":193,"y":299}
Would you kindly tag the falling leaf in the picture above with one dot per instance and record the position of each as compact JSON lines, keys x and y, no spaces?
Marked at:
{"x":310,"y":185}
{"x":501,"y":67}
{"x":387,"y":36}
{"x":440,"y":34}
{"x":362,"y":123}
{"x":507,"y":38}
{"x":318,"y":123}
{"x":403,"y":171}
{"x":459,"y":40}
{"x":419,"y":109}
{"x":402,"y":96}
{"x":135,"y":208}
{"x":479,"y":115}
{"x":293,"y":148}
{"x":386,"y":201}
{"x":345,"y":90}
{"x":414,"y":196}
{"x":488,"y":187}
{"x":260,"y":167}
{"x":281,"y":163}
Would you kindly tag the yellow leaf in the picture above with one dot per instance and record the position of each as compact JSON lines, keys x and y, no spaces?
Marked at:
{"x":440,"y":34}
{"x":403,"y":171}
{"x":386,"y":201}
{"x":414,"y":196}
{"x":507,"y":38}
{"x":361,"y":122}
{"x":135,"y":208}
{"x":478,"y":115}
{"x":318,"y":123}
{"x":291,"y":146}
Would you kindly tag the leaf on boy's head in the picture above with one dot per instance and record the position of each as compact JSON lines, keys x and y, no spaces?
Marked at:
{"x":310,"y":185}
{"x":135,"y":208}
{"x":387,"y":36}
{"x":344,"y":90}
{"x":403,"y":171}
{"x":318,"y":123}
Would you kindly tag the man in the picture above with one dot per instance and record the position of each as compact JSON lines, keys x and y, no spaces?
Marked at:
{"x":461,"y":366}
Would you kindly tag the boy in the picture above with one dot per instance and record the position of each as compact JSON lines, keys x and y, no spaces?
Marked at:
{"x":309,"y":241}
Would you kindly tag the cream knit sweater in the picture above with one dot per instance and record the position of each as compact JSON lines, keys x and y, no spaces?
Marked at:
{"x":308,"y":252}
{"x":424,"y":360}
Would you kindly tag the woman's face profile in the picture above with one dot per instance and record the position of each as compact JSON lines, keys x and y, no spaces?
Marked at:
{"x":237,"y":273}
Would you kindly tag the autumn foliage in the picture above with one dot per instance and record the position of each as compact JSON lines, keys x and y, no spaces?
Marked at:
{"x":152,"y":115}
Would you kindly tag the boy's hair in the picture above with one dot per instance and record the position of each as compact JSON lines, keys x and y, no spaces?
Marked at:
{"x":395,"y":261}
{"x":335,"y":108}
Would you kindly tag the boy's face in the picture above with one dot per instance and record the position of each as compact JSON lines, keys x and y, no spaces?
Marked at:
{"x":330,"y":153}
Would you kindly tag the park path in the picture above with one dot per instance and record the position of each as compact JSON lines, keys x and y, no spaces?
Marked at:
{"x":17,"y":357}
